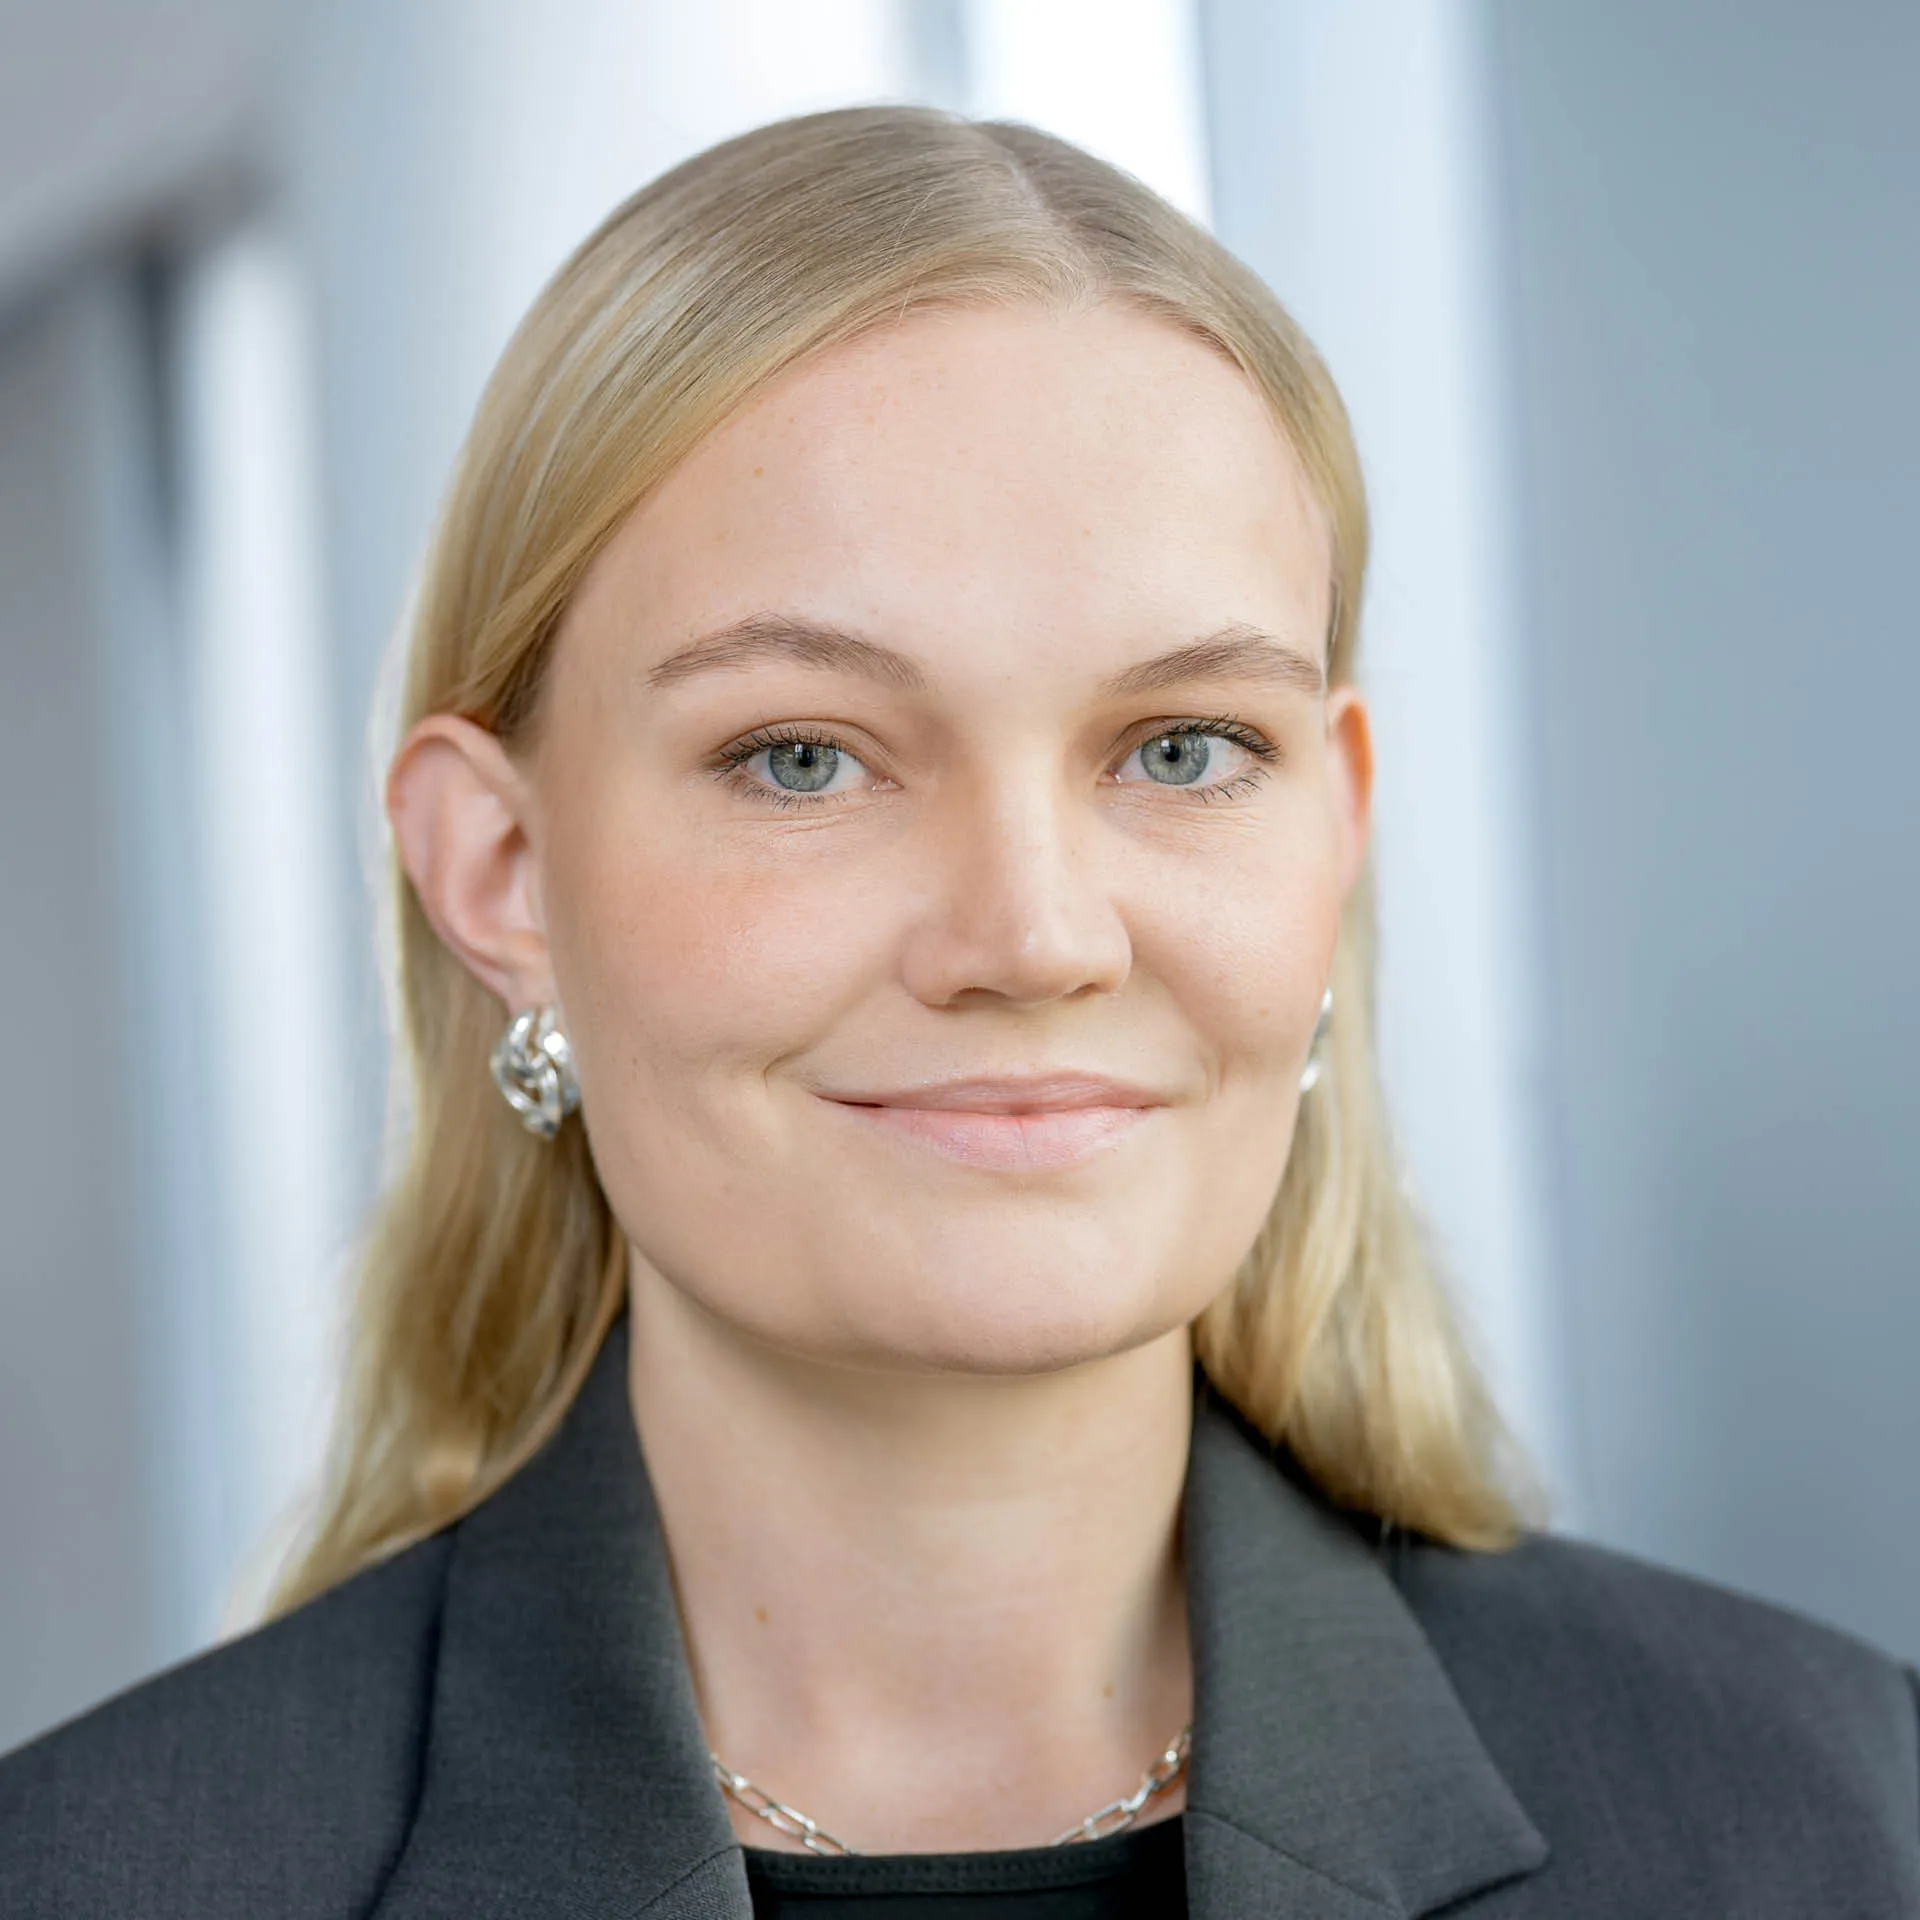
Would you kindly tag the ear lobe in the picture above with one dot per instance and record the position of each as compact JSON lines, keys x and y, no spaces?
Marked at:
{"x":459,"y":809}
{"x":1350,"y":750}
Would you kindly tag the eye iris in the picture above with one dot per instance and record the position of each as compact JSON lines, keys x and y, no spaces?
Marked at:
{"x":815,"y":765}
{"x":1177,"y":759}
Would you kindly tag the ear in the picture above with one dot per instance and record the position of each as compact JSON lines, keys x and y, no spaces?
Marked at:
{"x":461,"y":812}
{"x":1350,"y":767}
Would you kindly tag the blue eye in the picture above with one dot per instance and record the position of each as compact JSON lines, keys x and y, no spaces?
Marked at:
{"x":1177,"y":759}
{"x":1182,"y":755}
{"x":800,"y":766}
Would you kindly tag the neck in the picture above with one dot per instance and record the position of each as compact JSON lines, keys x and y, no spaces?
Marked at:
{"x":935,"y":1612}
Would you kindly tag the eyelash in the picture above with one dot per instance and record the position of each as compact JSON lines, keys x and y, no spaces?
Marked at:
{"x":732,"y":760}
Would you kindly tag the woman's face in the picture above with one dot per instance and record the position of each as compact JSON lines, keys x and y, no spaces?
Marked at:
{"x":954,"y":713}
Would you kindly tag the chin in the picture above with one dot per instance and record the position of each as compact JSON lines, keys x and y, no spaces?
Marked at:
{"x":1018,"y":1339}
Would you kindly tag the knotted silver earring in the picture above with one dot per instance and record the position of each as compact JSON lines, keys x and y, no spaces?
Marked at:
{"x":1310,"y":1073}
{"x":533,"y":1068}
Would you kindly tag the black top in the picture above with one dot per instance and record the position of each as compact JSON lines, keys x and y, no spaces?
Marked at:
{"x":1131,"y":1876}
{"x":500,"y":1724}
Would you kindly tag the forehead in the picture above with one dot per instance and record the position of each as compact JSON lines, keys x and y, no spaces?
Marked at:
{"x":987,"y":470}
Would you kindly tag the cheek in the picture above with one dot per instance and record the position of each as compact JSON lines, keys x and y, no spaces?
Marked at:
{"x":684,"y":959}
{"x":1245,"y":948}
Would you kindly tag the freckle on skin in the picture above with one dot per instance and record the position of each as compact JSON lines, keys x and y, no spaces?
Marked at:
{"x":1106,"y":1692}
{"x":760,"y":1614}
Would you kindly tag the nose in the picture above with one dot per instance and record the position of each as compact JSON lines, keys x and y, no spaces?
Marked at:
{"x":1017,"y":903}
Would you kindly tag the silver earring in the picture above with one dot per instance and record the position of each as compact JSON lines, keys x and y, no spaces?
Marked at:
{"x":533,"y":1068}
{"x":1310,"y":1073}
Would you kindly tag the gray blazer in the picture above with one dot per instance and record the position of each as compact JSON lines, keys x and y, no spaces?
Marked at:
{"x":499,"y":1722}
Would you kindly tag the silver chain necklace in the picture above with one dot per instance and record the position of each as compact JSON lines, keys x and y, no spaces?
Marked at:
{"x":1114,"y":1817}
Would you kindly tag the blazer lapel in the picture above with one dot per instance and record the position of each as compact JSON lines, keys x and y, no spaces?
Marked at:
{"x":566,"y":1774}
{"x":1334,"y":1772}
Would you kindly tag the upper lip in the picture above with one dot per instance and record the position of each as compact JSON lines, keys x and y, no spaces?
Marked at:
{"x":1021,"y":1093}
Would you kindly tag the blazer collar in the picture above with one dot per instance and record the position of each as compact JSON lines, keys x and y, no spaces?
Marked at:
{"x":1334,"y":1773}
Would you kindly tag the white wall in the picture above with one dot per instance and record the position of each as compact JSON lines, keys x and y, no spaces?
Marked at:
{"x":1715,"y":265}
{"x":78,"y":1582}
{"x":110,"y":112}
{"x":259,"y":793}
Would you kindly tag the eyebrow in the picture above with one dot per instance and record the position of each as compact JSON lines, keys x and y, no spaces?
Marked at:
{"x":1235,"y":652}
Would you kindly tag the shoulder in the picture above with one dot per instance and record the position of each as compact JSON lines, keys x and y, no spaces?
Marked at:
{"x":273,"y":1774}
{"x":1607,"y":1686}
{"x":1592,"y":1616}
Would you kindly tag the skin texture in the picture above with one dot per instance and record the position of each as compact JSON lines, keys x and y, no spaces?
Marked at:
{"x":928,"y":1559}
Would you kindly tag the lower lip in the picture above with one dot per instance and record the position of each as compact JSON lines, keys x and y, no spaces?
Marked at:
{"x":1008,"y":1142}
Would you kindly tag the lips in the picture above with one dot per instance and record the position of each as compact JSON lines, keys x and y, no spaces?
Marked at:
{"x":1028,"y":1093}
{"x":1029,"y":1124}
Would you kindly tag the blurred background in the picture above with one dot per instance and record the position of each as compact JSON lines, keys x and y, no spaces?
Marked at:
{"x":1625,"y":299}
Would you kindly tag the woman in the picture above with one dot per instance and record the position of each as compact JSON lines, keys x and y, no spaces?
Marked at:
{"x":884,"y":798}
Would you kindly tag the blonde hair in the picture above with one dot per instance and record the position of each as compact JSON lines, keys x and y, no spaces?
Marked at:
{"x":494,"y":1265}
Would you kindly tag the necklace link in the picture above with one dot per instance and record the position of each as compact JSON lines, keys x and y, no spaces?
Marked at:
{"x":787,"y":1820}
{"x":1115,"y":1817}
